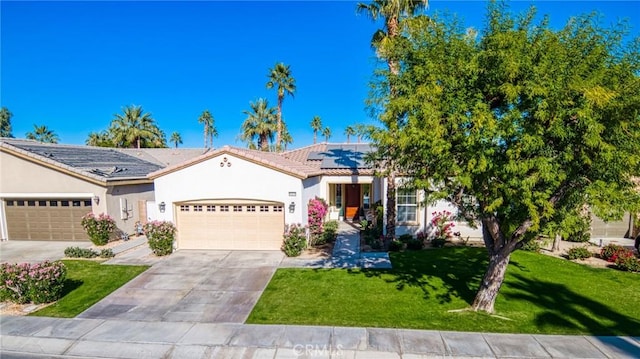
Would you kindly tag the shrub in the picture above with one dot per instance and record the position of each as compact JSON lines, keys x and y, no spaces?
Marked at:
{"x":98,"y":228}
{"x":295,"y":240}
{"x":107,"y":253}
{"x":415,"y":244}
{"x":438,"y":242}
{"x":441,"y":221}
{"x":532,"y":246}
{"x":611,"y":252}
{"x":36,"y":283}
{"x":77,"y":252}
{"x":317,"y":211}
{"x":405,"y":238}
{"x":330,"y":232}
{"x":578,"y":253}
{"x":160,"y":235}
{"x":628,"y":263}
{"x":395,"y":246}
{"x":577,"y":229}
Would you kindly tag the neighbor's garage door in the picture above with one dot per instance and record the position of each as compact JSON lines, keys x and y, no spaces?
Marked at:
{"x":613,"y":229}
{"x":47,"y":219}
{"x":248,"y":226}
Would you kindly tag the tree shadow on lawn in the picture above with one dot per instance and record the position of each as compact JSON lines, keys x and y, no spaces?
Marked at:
{"x":69,"y":286}
{"x":564,"y":308}
{"x":441,"y":273}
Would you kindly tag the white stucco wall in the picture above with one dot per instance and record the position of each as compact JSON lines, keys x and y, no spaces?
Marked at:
{"x":241,"y":180}
{"x":311,"y":190}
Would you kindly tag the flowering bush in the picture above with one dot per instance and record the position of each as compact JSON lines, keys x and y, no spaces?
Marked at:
{"x":628,"y":263}
{"x":442,"y":224}
{"x":160,"y":235}
{"x":99,"y":228}
{"x":317,"y":211}
{"x":295,"y":240}
{"x":611,"y":252}
{"x":578,"y":253}
{"x":36,"y":283}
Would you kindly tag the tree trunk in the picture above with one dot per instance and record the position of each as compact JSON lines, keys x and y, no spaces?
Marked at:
{"x":492,"y":281}
{"x":279,"y":125}
{"x":315,"y":137}
{"x":391,"y":205}
{"x":556,"y":243}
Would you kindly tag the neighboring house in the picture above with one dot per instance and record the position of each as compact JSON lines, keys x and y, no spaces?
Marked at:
{"x":45,"y":189}
{"x":234,"y":198}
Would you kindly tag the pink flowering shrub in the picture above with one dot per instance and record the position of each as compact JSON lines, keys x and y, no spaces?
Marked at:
{"x":317,"y":211}
{"x":441,"y":221}
{"x":32,"y":283}
{"x":99,"y":228}
{"x":295,"y":240}
{"x":160,"y":236}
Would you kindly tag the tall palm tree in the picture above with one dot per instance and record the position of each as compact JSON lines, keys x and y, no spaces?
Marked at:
{"x":326,"y":133}
{"x":391,"y":12}
{"x":349,"y":131}
{"x":5,"y":122}
{"x":133,"y":128}
{"x":280,"y":77}
{"x":42,"y":134}
{"x":176,"y":139}
{"x":210,"y":131}
{"x":316,"y":126}
{"x":260,"y":125}
{"x":287,"y":139}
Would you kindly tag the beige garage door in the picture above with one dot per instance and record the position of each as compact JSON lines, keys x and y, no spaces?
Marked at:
{"x":235,"y":225}
{"x":46,"y":219}
{"x":613,"y":229}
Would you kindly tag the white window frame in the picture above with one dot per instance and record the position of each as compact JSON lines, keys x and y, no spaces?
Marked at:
{"x":406,"y":193}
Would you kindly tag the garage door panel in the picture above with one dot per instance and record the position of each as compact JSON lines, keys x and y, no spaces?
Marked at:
{"x":238,"y":228}
{"x":39,"y":220}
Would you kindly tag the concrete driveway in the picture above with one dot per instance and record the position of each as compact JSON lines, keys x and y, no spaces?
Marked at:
{"x":193,"y":286}
{"x":36,"y":251}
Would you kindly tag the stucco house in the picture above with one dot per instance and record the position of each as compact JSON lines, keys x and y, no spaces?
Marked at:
{"x":45,"y":189}
{"x":235,"y":198}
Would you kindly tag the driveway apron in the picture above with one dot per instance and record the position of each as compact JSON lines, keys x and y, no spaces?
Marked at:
{"x":193,"y":286}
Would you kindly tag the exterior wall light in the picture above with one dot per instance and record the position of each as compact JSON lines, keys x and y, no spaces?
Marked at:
{"x":162,"y":206}
{"x":292,"y":207}
{"x":96,"y":199}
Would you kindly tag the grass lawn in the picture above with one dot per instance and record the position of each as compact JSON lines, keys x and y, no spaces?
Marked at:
{"x":541,"y":294}
{"x":87,"y":283}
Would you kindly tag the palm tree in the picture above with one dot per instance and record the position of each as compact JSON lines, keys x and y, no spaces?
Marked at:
{"x":5,"y":123}
{"x":326,"y":133}
{"x":176,"y":139}
{"x":286,"y":136}
{"x":99,"y":139}
{"x":42,"y":134}
{"x":349,"y":131}
{"x":280,"y":77}
{"x":392,"y":12}
{"x":210,"y":130}
{"x":260,"y":124}
{"x":316,"y":126}
{"x":133,"y":128}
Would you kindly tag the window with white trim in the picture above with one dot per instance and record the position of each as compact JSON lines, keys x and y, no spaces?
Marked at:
{"x":406,"y":205}
{"x":197,"y":208}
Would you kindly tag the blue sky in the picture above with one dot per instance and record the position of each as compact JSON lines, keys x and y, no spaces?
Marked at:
{"x":72,"y":65}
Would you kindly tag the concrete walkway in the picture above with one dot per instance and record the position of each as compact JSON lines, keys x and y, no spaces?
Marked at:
{"x":346,"y":253}
{"x":34,"y":337}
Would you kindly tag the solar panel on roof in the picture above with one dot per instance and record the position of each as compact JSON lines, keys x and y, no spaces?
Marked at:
{"x":315,"y":156}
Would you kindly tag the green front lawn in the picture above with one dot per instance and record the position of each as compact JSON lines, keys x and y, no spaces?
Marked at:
{"x":87,"y":283}
{"x":541,"y":294}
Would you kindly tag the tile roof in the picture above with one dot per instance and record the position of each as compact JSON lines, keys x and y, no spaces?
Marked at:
{"x":165,"y":156}
{"x":334,"y":158}
{"x":98,"y":163}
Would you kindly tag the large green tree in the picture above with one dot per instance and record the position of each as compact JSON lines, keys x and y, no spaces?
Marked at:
{"x":210,"y":131}
{"x":517,"y":127}
{"x":260,"y":125}
{"x":392,"y":13}
{"x":99,"y":139}
{"x":42,"y":134}
{"x":280,"y":77}
{"x":5,"y":123}
{"x":135,"y":128}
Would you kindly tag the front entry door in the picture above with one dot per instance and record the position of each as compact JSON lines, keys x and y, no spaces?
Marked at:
{"x":352,"y":202}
